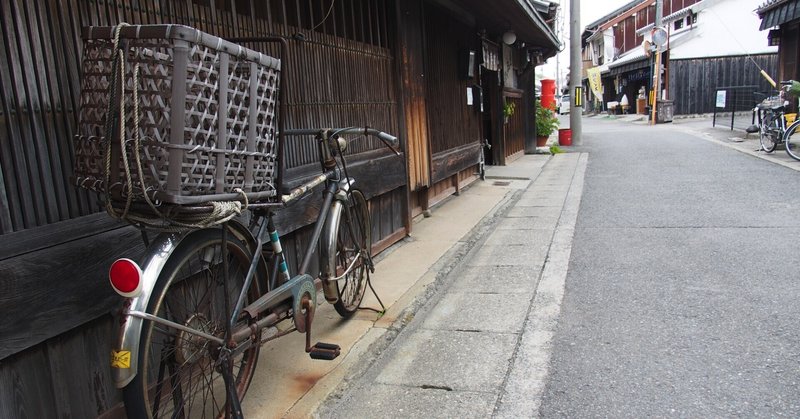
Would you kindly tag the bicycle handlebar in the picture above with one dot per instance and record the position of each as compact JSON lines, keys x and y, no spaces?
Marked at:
{"x":389,"y":140}
{"x":384,"y":136}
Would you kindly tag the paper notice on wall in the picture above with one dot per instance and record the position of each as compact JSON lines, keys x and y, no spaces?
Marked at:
{"x":721,"y":98}
{"x":469,"y":96}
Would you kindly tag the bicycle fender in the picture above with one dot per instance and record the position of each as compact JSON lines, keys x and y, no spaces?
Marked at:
{"x":125,"y":356}
{"x":328,"y":251}
{"x":328,"y":242}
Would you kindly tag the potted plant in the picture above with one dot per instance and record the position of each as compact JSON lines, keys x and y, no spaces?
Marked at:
{"x":508,"y":110}
{"x":546,"y":124}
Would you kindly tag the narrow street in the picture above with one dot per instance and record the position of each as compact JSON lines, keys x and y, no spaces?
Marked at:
{"x":681,"y":296}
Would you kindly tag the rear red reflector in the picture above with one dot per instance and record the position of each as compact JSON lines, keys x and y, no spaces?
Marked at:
{"x":126,"y":277}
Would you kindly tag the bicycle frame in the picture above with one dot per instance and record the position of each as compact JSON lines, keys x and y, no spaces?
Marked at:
{"x":135,"y":309}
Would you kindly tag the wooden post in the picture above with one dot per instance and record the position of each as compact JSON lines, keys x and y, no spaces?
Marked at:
{"x":657,"y":67}
{"x":575,"y":70}
{"x":656,"y":85}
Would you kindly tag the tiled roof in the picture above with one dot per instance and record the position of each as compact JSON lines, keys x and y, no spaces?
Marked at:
{"x":778,"y":12}
{"x":769,"y":4}
{"x":611,"y":15}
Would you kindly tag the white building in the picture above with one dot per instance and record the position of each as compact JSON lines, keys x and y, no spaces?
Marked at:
{"x":709,"y":44}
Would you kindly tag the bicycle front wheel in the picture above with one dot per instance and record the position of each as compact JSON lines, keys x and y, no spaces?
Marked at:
{"x":792,"y":141}
{"x":179,"y":374}
{"x":353,"y":246}
{"x":768,"y":135}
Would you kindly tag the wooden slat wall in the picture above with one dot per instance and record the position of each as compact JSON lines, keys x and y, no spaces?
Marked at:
{"x":452,"y":122}
{"x":514,"y":129}
{"x":38,"y":79}
{"x":698,"y":95}
{"x":334,"y":81}
{"x":454,"y":126}
{"x":56,"y":326}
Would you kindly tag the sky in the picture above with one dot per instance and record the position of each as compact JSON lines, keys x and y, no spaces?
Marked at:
{"x":591,"y":10}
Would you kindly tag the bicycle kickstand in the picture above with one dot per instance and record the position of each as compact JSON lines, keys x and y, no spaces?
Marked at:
{"x":321,"y":350}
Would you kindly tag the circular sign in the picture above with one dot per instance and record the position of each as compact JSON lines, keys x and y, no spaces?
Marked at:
{"x":659,"y":36}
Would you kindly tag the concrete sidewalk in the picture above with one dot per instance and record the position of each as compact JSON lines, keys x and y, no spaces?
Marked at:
{"x":481,"y":345}
{"x":290,"y":384}
{"x":735,"y":139}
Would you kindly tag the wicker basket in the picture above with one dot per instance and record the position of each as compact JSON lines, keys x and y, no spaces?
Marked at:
{"x":207,"y":129}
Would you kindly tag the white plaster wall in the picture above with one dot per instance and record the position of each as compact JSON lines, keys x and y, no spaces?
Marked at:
{"x":723,"y":28}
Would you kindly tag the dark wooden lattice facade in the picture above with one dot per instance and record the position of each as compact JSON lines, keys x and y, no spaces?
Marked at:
{"x":391,"y":64}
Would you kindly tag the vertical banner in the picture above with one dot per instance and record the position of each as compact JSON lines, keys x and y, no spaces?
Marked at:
{"x":595,"y":83}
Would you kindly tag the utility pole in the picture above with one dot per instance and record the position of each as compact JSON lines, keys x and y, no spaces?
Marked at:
{"x":657,"y":67}
{"x":575,"y":70}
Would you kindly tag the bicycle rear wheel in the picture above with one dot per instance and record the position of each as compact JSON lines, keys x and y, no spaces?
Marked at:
{"x":792,"y":141}
{"x":353,"y":246}
{"x":178,"y":374}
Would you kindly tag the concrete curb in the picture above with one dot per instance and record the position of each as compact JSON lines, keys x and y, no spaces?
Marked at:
{"x":524,"y":386}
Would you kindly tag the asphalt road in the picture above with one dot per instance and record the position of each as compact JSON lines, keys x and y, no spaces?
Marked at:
{"x":683,"y":291}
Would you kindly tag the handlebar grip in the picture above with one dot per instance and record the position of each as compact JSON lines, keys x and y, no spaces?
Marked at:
{"x":391,"y":139}
{"x":787,"y":82}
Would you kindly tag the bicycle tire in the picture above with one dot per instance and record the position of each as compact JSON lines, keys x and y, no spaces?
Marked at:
{"x":353,"y":240}
{"x":792,"y":141}
{"x":767,"y":134}
{"x":188,"y":291}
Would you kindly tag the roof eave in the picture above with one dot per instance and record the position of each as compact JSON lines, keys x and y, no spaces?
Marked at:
{"x":541,"y":25}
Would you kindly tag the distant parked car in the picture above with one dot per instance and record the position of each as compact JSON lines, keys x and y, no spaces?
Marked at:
{"x":563,"y":105}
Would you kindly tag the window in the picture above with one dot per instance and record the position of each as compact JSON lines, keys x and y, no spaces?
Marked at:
{"x":678,"y":24}
{"x":691,"y":19}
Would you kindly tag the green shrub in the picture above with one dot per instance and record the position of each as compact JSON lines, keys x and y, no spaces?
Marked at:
{"x":546,"y":121}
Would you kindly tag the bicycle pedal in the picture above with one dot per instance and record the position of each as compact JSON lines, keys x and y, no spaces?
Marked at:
{"x":325,"y":351}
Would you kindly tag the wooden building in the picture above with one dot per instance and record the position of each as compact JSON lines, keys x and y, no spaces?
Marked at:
{"x":782,"y":19}
{"x":408,"y":67}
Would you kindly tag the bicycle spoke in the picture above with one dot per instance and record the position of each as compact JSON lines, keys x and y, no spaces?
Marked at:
{"x":177,"y":394}
{"x":159,"y":383}
{"x":189,"y":385}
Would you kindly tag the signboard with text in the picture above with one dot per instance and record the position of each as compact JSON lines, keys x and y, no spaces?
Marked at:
{"x":721,"y":95}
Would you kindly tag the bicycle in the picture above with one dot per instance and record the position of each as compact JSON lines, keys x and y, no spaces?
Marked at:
{"x":184,"y":268}
{"x":772,"y":124}
{"x":485,"y":146}
{"x":194,"y":316}
{"x":791,"y":141}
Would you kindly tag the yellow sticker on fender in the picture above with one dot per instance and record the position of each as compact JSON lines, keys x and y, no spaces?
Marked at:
{"x":120,"y":359}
